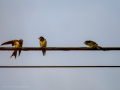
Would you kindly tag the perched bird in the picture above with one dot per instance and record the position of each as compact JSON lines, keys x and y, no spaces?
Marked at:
{"x":43,"y":43}
{"x":93,"y":44}
{"x":17,"y":43}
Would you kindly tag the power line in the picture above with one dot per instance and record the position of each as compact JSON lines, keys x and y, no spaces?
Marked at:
{"x":57,"y":48}
{"x":59,"y":66}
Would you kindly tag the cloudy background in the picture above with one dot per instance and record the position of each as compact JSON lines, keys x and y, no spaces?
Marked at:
{"x":64,"y":23}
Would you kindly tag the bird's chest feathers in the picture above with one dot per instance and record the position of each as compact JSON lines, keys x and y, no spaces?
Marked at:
{"x":16,"y":44}
{"x":43,"y":43}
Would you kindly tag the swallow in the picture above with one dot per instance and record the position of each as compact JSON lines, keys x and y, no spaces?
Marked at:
{"x":43,"y":43}
{"x":16,"y":43}
{"x":93,"y":44}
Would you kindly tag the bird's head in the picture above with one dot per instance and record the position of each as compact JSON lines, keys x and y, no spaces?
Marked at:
{"x":88,"y":41}
{"x":41,"y":38}
{"x":85,"y":42}
{"x":21,"y":40}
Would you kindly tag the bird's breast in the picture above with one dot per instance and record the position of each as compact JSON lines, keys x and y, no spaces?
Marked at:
{"x":16,"y":44}
{"x":43,"y":44}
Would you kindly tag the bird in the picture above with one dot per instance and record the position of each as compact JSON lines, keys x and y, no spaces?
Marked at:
{"x":93,"y":44}
{"x":43,"y":43}
{"x":16,"y":43}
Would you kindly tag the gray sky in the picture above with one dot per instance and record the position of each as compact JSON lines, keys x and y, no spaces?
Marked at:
{"x":63,"y":23}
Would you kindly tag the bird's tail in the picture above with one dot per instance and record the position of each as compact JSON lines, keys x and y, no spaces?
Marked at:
{"x":44,"y":52}
{"x":14,"y":54}
{"x":19,"y":52}
{"x":100,"y":48}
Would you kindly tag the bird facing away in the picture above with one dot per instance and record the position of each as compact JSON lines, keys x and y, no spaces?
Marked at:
{"x":17,"y":43}
{"x":43,"y":43}
{"x":93,"y":44}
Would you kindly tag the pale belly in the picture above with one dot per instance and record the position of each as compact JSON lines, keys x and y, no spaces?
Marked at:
{"x":16,"y":44}
{"x":43,"y":44}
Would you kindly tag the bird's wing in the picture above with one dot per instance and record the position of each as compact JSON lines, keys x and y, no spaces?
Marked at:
{"x":9,"y":42}
{"x":45,"y":43}
{"x":94,"y":43}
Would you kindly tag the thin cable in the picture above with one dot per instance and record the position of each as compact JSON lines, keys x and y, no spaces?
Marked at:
{"x":59,"y":66}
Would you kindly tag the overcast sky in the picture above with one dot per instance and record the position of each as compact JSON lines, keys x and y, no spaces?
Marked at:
{"x":63,"y":23}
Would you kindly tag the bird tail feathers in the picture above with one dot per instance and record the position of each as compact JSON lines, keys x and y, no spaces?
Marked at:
{"x":19,"y":52}
{"x":100,"y":48}
{"x":14,"y":54}
{"x":44,"y":52}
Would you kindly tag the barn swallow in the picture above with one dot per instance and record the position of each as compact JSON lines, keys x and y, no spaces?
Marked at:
{"x":43,"y":43}
{"x":93,"y":44}
{"x":17,"y":43}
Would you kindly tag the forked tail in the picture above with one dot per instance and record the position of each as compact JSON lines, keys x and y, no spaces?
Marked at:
{"x":14,"y":54}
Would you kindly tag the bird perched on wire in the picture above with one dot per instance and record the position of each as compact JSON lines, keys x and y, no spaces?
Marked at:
{"x":43,"y":43}
{"x":17,"y":43}
{"x":93,"y":44}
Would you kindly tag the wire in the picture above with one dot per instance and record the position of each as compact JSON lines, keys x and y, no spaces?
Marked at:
{"x":58,"y":66}
{"x":58,"y":48}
